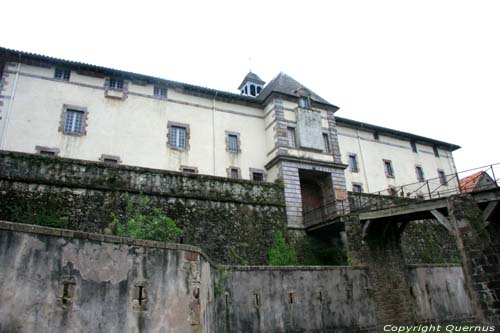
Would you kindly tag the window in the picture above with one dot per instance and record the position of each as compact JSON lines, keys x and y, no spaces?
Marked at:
{"x":420,"y":173}
{"x":436,"y":151}
{"x":259,"y":89}
{"x":160,"y":91}
{"x":375,"y":136}
{"x":232,"y":143}
{"x":326,"y":141}
{"x":442,"y":177}
{"x":353,"y":163}
{"x":110,"y":159}
{"x":47,"y":151}
{"x":189,"y":169}
{"x":257,"y":175}
{"x":304,"y":102}
{"x":73,"y":121}
{"x":116,"y":84}
{"x":413,"y":146}
{"x":233,"y":172}
{"x":291,"y":137}
{"x":178,"y":137}
{"x":252,"y":90}
{"x":356,"y":187}
{"x":389,"y":171}
{"x":62,"y":74}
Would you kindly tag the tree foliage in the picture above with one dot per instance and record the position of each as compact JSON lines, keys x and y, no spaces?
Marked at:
{"x":282,"y":253}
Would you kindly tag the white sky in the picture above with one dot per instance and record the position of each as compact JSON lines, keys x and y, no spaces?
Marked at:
{"x":430,"y":67}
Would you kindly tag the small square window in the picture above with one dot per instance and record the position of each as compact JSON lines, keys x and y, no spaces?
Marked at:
{"x":292,"y":141}
{"x":178,"y":137}
{"x":389,"y":171}
{"x":442,"y":177}
{"x":116,"y":84}
{"x":420,"y":173}
{"x":160,"y":91}
{"x":73,"y":121}
{"x":326,"y":141}
{"x":358,"y":188}
{"x":353,"y":163}
{"x":62,"y":74}
{"x":258,"y":176}
{"x":232,"y":143}
{"x":375,"y":136}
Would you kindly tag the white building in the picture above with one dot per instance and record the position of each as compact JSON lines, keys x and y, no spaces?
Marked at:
{"x":269,"y":131}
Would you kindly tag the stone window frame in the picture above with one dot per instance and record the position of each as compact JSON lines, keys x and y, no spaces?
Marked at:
{"x":62,"y":121}
{"x":349,"y":155}
{"x":183,"y":169}
{"x":171,"y":124}
{"x":158,"y":89}
{"x":417,"y":167}
{"x":442,"y":180}
{"x":327,"y":142}
{"x":238,"y":138}
{"x":228,"y":172}
{"x":51,"y":151}
{"x":62,"y":73}
{"x":105,"y":158}
{"x":255,"y":170}
{"x":357,"y":184}
{"x":293,"y":130}
{"x":386,"y":171}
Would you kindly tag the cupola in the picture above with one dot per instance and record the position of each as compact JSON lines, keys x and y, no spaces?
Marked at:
{"x":251,"y":85}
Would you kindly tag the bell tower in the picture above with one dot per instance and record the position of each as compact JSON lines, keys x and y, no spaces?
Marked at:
{"x":251,"y":85}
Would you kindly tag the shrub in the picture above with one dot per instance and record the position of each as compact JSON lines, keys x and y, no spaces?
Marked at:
{"x":141,"y":224}
{"x":281,"y":252}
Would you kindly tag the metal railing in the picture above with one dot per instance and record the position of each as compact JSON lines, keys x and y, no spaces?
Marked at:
{"x":432,"y":188}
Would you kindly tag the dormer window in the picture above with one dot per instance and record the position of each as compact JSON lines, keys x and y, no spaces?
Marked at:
{"x":304,"y":102}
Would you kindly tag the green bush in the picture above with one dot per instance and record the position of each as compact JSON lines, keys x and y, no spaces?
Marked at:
{"x":282,"y":253}
{"x":50,"y":215}
{"x":144,"y":223}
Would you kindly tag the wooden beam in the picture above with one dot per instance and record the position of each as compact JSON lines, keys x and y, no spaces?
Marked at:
{"x":488,"y":210}
{"x":442,"y":219}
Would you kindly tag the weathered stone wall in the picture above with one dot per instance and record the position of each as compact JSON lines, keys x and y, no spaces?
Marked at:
{"x":440,"y":298}
{"x":57,"y":280}
{"x":366,"y":201}
{"x":295,"y":299}
{"x":232,"y":220}
{"x":54,"y":280}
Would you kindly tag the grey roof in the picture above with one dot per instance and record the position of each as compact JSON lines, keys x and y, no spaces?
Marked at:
{"x":252,"y":77}
{"x":287,"y":85}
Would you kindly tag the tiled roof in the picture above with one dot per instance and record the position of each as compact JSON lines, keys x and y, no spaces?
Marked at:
{"x":469,"y":183}
{"x":252,"y":77}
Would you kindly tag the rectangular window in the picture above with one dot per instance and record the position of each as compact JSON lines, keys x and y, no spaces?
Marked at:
{"x":358,"y":188}
{"x":436,"y":151}
{"x":304,"y":103}
{"x":62,"y":74}
{"x":232,"y":143}
{"x":375,"y":136}
{"x":413,"y":146}
{"x":291,"y":137}
{"x":187,"y":169}
{"x":258,"y":176}
{"x":234,"y":173}
{"x":73,"y":121}
{"x":326,"y":141}
{"x":389,"y":171}
{"x":160,"y":91}
{"x":116,"y":84}
{"x":442,"y":177}
{"x":353,"y":163}
{"x":420,"y":173}
{"x":178,"y":137}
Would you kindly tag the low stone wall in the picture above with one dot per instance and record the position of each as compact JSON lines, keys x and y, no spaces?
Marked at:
{"x":56,"y":280}
{"x":359,"y":202}
{"x":232,"y":220}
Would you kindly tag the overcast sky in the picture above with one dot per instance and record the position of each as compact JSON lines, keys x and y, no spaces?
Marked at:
{"x":430,"y":67}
